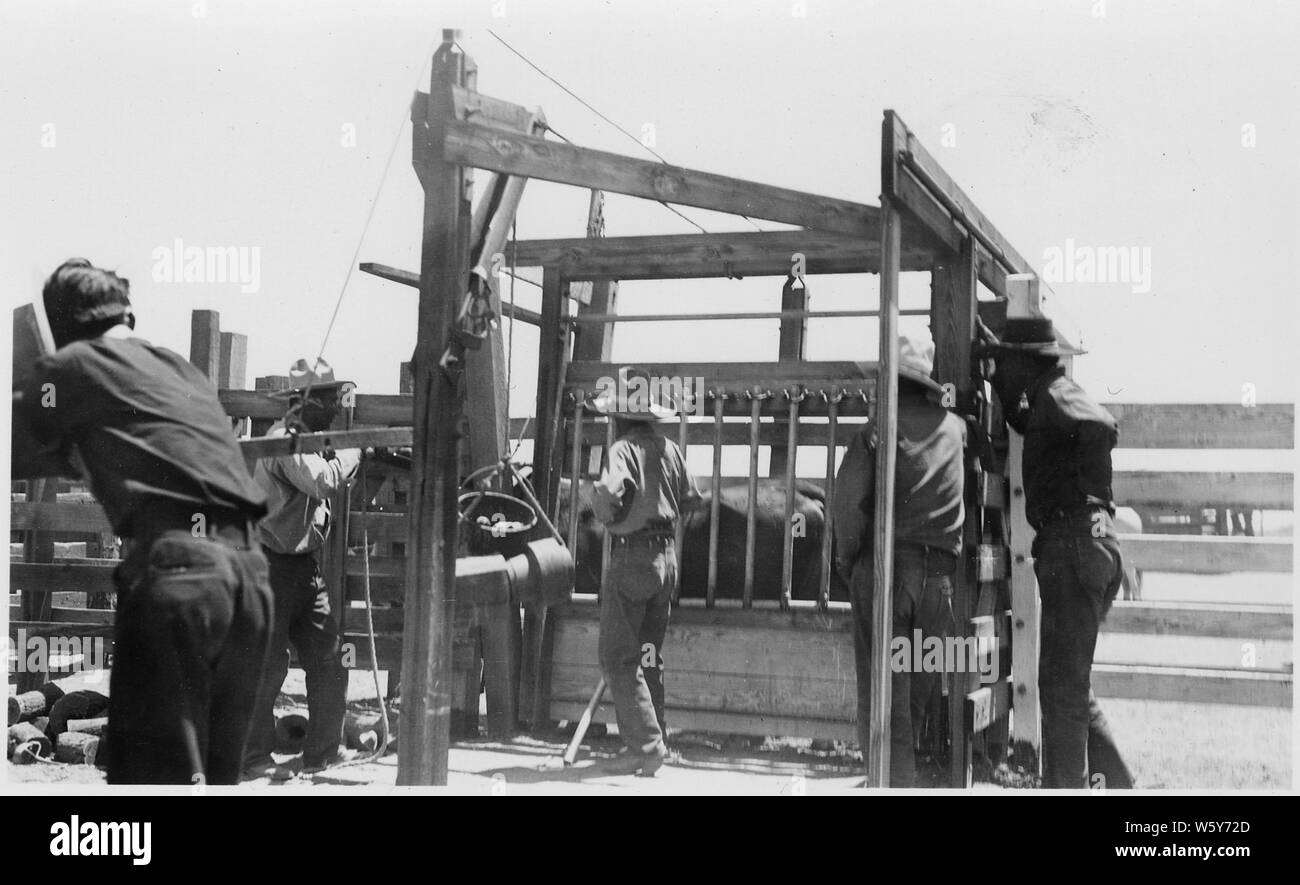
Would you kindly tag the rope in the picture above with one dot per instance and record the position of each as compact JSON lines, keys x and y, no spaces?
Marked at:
{"x":658,"y":156}
{"x":370,"y":214}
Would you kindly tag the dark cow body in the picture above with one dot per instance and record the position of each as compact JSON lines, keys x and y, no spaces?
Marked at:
{"x":810,"y":521}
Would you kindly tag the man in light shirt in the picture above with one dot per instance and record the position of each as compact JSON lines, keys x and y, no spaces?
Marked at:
{"x":308,"y":614}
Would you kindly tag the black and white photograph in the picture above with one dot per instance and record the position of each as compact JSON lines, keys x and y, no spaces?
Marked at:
{"x":588,"y":398}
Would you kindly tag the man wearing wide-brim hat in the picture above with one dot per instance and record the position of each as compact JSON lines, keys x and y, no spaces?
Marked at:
{"x":1077,"y":559}
{"x":639,"y":497}
{"x":308,"y":614}
{"x":929,"y":513}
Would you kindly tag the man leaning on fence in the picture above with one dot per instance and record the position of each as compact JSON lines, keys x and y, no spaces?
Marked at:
{"x":1068,"y":501}
{"x":194,"y":603}
{"x":928,"y":517}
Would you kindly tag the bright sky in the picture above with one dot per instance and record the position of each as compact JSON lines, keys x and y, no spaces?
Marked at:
{"x":1167,"y":127}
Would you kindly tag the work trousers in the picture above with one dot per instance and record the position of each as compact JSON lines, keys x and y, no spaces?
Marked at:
{"x":922,"y":600}
{"x":1079,"y":576}
{"x":190,"y":645}
{"x":635,"y":597}
{"x":309,"y":615}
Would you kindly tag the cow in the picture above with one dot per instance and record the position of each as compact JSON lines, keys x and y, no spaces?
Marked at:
{"x":809,"y":521}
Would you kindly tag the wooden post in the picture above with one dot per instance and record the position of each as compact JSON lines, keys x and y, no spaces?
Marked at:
{"x":794,"y":337}
{"x":205,"y":343}
{"x":232,"y":369}
{"x":431,"y":564}
{"x":877,"y":753}
{"x":953,"y":295}
{"x":596,"y":342}
{"x":751,"y":511}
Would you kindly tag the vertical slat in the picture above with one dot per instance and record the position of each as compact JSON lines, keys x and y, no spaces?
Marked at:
{"x":606,"y":542}
{"x":787,"y":541}
{"x":679,"y":536}
{"x":828,"y":526}
{"x":575,"y":471}
{"x":715,"y":504}
{"x":1025,"y":612}
{"x":751,"y":509}
{"x":953,"y":301}
{"x":887,"y":436}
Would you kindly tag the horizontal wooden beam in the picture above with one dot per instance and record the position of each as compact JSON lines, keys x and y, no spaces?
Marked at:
{"x":724,"y":722}
{"x":412,"y":279}
{"x":737,"y":377}
{"x":1254,"y":622}
{"x":1204,"y":425}
{"x":372,"y":408}
{"x":700,"y":256}
{"x":1192,"y":685}
{"x":310,"y":443}
{"x":1194,"y":490}
{"x":486,"y":147}
{"x":1206,"y":554}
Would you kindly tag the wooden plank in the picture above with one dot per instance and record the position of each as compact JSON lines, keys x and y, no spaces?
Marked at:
{"x":55,"y":577}
{"x":592,"y":343}
{"x":1204,"y":426}
{"x":205,"y":343}
{"x":737,"y":377}
{"x":704,"y":256}
{"x":232,"y":367}
{"x":1025,"y":608}
{"x":1194,"y":490}
{"x":370,"y":409}
{"x":1206,"y":554}
{"x":67,"y":615}
{"x":1247,"y":622}
{"x":304,"y":443}
{"x":1193,"y":685}
{"x":491,"y":149}
{"x":48,"y":516}
{"x":876,"y":754}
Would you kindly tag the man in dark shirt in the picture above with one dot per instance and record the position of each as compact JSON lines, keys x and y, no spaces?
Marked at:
{"x":639,"y":497}
{"x":194,"y":604}
{"x":929,"y":512}
{"x":1068,"y":501}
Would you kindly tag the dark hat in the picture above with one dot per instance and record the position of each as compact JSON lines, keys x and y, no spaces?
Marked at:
{"x":78,"y":294}
{"x":1033,"y":335}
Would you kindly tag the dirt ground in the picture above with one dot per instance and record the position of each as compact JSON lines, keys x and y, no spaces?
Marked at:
{"x":1168,"y":745}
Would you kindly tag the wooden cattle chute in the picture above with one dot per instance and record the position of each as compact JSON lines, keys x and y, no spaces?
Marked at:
{"x":785,"y":670}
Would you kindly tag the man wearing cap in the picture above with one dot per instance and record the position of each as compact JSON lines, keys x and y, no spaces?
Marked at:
{"x":194,"y":605}
{"x":928,"y":516}
{"x":639,"y":497}
{"x":308,"y":614}
{"x":1068,"y":501}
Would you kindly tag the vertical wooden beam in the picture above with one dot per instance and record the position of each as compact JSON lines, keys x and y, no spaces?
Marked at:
{"x":1026,"y":732}
{"x":715,"y":502}
{"x":232,"y":367}
{"x":882,"y":609}
{"x":205,"y":343}
{"x":431,"y":565}
{"x":596,"y":342}
{"x":751,"y":510}
{"x":547,"y":447}
{"x":793,"y":344}
{"x":953,"y":295}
